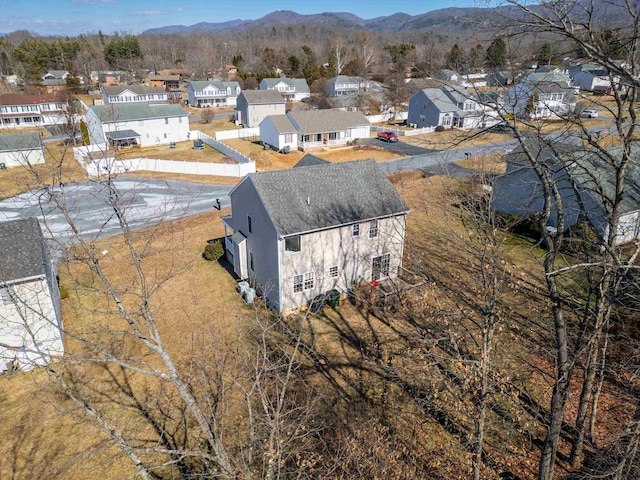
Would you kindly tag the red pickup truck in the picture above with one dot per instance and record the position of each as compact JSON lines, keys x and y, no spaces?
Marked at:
{"x":387,"y":136}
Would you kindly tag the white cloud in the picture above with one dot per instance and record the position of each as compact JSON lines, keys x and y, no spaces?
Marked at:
{"x":146,"y":13}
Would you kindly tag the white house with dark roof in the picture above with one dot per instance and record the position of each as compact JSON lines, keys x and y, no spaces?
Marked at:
{"x":213,"y":93}
{"x":30,"y":318}
{"x":298,"y":233}
{"x":292,"y":89}
{"x":315,"y":129}
{"x":18,"y":149}
{"x":143,"y":124}
{"x":252,"y":106}
{"x":349,"y":85}
{"x":133,"y":94}
{"x":541,"y":95}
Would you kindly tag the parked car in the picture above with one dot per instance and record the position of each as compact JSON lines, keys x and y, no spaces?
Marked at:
{"x":500,"y":127}
{"x":387,"y":136}
{"x":589,"y":113}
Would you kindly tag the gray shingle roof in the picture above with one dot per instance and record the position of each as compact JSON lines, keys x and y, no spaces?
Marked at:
{"x":22,"y":253}
{"x":136,"y":111}
{"x":317,"y":197}
{"x":300,"y":84}
{"x":263,"y":96}
{"x":19,"y":141}
{"x":310,"y":159}
{"x":281,"y":123}
{"x":322,"y":121}
{"x":137,"y":89}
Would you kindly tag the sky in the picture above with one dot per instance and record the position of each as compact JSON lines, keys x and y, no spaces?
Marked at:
{"x":73,"y":17}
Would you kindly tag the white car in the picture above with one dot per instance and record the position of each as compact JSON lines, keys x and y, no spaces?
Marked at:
{"x":589,"y":113}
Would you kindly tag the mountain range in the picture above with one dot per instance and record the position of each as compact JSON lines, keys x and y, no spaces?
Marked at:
{"x":447,"y":20}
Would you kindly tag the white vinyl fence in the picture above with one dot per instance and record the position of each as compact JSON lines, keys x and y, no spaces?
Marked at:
{"x":238,"y":133}
{"x":385,"y":117}
{"x":403,"y":132}
{"x":98,"y":160}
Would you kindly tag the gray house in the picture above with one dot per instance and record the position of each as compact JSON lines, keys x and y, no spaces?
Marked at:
{"x":292,"y":89}
{"x":253,"y":106}
{"x":586,"y":185}
{"x":541,"y":95}
{"x":449,"y":106}
{"x":30,"y":319}
{"x":298,"y":233}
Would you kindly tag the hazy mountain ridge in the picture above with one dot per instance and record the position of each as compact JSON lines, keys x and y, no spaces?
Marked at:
{"x":447,"y":19}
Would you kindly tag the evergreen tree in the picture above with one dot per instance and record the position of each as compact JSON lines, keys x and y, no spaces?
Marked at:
{"x":496,"y":55}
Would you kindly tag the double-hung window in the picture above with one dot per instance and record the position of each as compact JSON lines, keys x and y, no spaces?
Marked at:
{"x":304,"y":281}
{"x":373,"y":228}
{"x":356,"y":229}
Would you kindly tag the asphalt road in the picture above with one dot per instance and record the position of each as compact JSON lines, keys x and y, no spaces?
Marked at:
{"x":404,"y":148}
{"x":145,"y":202}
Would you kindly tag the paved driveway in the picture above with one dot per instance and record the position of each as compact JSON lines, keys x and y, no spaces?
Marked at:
{"x":144,"y":202}
{"x":401,"y":147}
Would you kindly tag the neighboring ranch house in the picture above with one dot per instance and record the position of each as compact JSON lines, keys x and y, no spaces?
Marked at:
{"x":313,"y":129}
{"x":56,"y":75}
{"x":446,"y":75}
{"x":347,"y":85}
{"x":540,"y":95}
{"x":252,"y":106}
{"x":133,"y":93}
{"x":298,"y":233}
{"x":18,"y":149}
{"x":142,"y":124}
{"x":31,"y":110}
{"x":586,"y":186}
{"x":292,"y":89}
{"x":30,"y":319}
{"x":449,"y":106}
{"x":213,"y":93}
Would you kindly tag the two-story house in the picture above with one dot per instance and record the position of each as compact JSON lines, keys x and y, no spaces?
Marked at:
{"x":213,"y":93}
{"x":137,"y":124}
{"x":18,"y":149}
{"x":449,"y":106}
{"x":30,"y":319}
{"x":252,"y":106}
{"x":109,"y":78}
{"x":298,"y":233}
{"x":314,"y":129}
{"x":133,"y":93}
{"x":18,"y":110}
{"x":170,"y":83}
{"x":348,"y":85}
{"x":540,"y":95}
{"x":292,"y":89}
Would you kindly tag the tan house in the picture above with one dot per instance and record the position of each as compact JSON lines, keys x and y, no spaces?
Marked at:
{"x":253,"y":106}
{"x":296,"y":234}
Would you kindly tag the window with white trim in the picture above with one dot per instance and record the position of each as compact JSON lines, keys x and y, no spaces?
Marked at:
{"x":334,"y":271}
{"x":380,"y":266}
{"x":297,"y":283}
{"x":292,"y":244}
{"x":356,"y":229}
{"x":5,"y":296}
{"x":309,"y":280}
{"x":373,"y":228}
{"x":251,"y":262}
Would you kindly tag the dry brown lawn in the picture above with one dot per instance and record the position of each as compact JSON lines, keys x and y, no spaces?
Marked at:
{"x":214,"y":125}
{"x":183,"y":152}
{"x":272,"y":160}
{"x":60,"y":166}
{"x":454,"y":138}
{"x":487,"y":164}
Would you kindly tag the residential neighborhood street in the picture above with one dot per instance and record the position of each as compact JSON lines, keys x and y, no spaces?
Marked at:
{"x":145,"y":202}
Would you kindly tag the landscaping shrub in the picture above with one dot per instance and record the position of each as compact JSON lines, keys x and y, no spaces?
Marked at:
{"x":439,"y":128}
{"x":64,"y":293}
{"x":579,"y":240}
{"x":213,"y":251}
